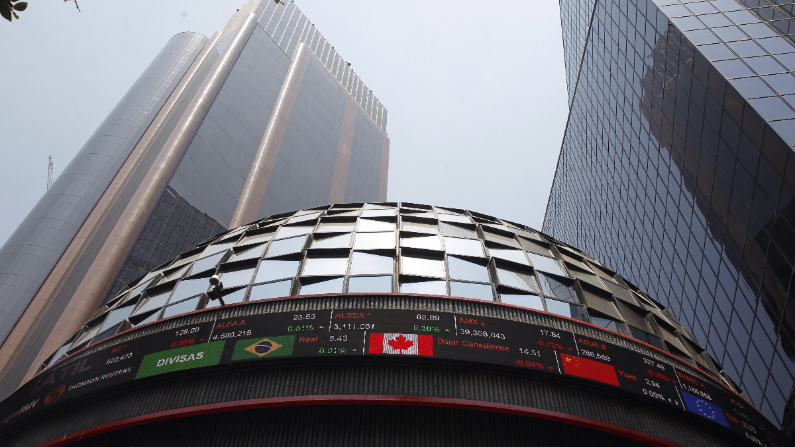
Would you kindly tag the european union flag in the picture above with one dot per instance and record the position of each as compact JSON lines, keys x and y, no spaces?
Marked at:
{"x":707,"y":409}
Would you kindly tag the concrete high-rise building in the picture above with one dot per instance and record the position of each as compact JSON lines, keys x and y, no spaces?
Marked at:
{"x":263,"y":117}
{"x":677,"y":169}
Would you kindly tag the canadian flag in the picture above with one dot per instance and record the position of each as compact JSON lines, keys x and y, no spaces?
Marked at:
{"x":392,"y":343}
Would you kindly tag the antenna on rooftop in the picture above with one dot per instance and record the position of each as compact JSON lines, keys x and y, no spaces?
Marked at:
{"x":49,"y":173}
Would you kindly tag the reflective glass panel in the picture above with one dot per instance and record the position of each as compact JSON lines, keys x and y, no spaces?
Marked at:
{"x":605,"y":323}
{"x":419,"y":227}
{"x":179,"y":273}
{"x":370,"y":284}
{"x":325,"y":266}
{"x":422,"y":266}
{"x":456,"y":231}
{"x":212,"y":249}
{"x":182,"y":307}
{"x":374,"y":241}
{"x":207,"y":263}
{"x":286,"y":246}
{"x":341,"y":241}
{"x":375,"y":225}
{"x":253,"y":253}
{"x":304,"y":217}
{"x":510,"y":255}
{"x":270,"y":290}
{"x":330,"y":286}
{"x":529,"y":301}
{"x":190,"y":287}
{"x":237,"y":278}
{"x":118,"y":315}
{"x":517,"y":280}
{"x":272,"y":270}
{"x":466,"y":247}
{"x":454,"y":218}
{"x":152,"y":317}
{"x":501,"y":239}
{"x":231,"y":298}
{"x":553,"y":287}
{"x":468,"y":271}
{"x":153,"y":303}
{"x":424,"y":287}
{"x":256,"y":238}
{"x":469,"y":290}
{"x":561,"y":308}
{"x":427,"y":243}
{"x":378,"y":213}
{"x":546,"y":264}
{"x":367,"y":264}
{"x":285,"y":232}
{"x":336,"y":227}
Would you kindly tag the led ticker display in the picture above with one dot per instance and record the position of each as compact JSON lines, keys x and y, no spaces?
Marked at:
{"x":377,"y":332}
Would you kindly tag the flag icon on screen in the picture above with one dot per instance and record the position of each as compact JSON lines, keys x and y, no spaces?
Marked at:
{"x":589,"y":369}
{"x":707,"y":409}
{"x":392,"y":343}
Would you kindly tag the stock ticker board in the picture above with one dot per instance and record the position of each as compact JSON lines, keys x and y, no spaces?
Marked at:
{"x":336,"y":332}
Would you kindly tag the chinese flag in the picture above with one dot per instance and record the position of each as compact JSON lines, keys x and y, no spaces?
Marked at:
{"x":392,"y":343}
{"x":589,"y":369}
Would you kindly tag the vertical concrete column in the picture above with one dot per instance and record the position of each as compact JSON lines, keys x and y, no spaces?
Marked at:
{"x":343,"y":153}
{"x":100,"y":276}
{"x":254,"y":189}
{"x":384,"y":169}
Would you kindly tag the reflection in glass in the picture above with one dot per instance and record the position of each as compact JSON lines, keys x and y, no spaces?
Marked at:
{"x":456,"y":231}
{"x":116,"y":316}
{"x":190,"y":287}
{"x":546,"y":264}
{"x":153,"y":303}
{"x":454,"y":218}
{"x":212,"y":249}
{"x":516,"y":280}
{"x":427,"y":243}
{"x":304,"y":217}
{"x":85,"y":337}
{"x":367,"y":264}
{"x":378,"y":213}
{"x":375,"y":225}
{"x":529,"y":301}
{"x":231,"y":298}
{"x":500,"y":239}
{"x":374,"y":241}
{"x":341,"y":241}
{"x":253,"y":253}
{"x":325,"y":266}
{"x":286,"y":246}
{"x":178,"y":273}
{"x":237,"y":278}
{"x":419,"y":227}
{"x":271,"y":290}
{"x":255,"y":239}
{"x":509,"y":255}
{"x":270,"y":270}
{"x":466,"y":247}
{"x":150,"y":318}
{"x":182,"y":307}
{"x":370,"y":284}
{"x":330,"y":286}
{"x":336,"y":227}
{"x":470,"y":290}
{"x":564,"y":309}
{"x":468,"y":271}
{"x":285,"y":232}
{"x":424,"y":287}
{"x":422,"y":266}
{"x":207,"y":263}
{"x":606,"y":323}
{"x":553,"y":287}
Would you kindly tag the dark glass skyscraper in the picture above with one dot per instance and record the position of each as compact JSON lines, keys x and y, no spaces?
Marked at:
{"x":262,"y":118}
{"x":677,"y":169}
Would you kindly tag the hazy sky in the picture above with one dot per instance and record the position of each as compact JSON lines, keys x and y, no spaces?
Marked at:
{"x":475,"y":90}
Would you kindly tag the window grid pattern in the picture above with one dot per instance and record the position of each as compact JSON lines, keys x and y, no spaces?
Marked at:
{"x":671,"y":174}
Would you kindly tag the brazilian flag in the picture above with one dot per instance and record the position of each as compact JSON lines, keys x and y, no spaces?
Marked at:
{"x":261,"y":347}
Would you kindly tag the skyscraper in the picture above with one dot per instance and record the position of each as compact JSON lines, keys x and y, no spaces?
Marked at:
{"x":263,"y":117}
{"x":677,"y":169}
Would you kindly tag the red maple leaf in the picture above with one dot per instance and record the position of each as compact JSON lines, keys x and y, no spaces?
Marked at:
{"x":400,"y":343}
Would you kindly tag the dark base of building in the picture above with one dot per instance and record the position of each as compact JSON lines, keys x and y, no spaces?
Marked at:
{"x":361,"y":403}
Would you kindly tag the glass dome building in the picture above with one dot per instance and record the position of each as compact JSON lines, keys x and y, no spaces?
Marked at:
{"x":382,"y":323}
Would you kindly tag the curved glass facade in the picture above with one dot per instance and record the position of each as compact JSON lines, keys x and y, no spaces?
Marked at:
{"x":677,"y":170}
{"x":393,"y":248}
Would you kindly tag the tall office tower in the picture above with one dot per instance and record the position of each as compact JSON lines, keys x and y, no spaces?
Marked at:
{"x":262,"y":118}
{"x":677,"y":169}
